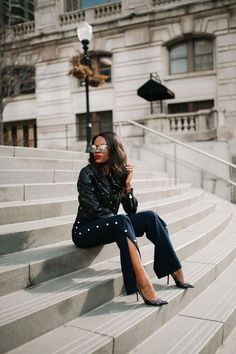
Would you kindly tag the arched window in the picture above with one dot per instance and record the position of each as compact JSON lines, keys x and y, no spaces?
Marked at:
{"x":194,"y":54}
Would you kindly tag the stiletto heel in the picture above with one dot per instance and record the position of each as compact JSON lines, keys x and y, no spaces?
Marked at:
{"x":137,"y":296}
{"x":168,"y":279}
{"x":180,"y":284}
{"x":157,"y":302}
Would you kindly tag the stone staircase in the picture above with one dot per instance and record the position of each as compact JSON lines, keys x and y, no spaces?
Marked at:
{"x":56,"y":298}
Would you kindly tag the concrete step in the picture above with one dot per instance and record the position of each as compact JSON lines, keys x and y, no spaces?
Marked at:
{"x":20,"y":211}
{"x":116,"y":326}
{"x":19,"y":236}
{"x":203,"y":325}
{"x":30,"y":163}
{"x":26,"y":268}
{"x":43,"y":163}
{"x":229,"y":345}
{"x":13,"y":192}
{"x":16,"y":151}
{"x":57,"y":176}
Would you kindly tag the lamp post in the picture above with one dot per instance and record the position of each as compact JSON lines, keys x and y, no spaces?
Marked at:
{"x":84,"y":32}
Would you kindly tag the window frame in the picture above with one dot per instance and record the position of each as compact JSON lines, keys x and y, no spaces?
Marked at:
{"x":23,"y":80}
{"x":101,"y":121}
{"x":190,"y":106}
{"x":26,"y":128}
{"x":190,"y":41}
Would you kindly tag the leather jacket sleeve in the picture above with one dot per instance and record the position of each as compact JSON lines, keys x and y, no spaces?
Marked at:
{"x":129,"y":203}
{"x":89,"y":201}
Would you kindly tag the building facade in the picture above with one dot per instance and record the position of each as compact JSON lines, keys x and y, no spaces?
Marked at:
{"x":189,"y":45}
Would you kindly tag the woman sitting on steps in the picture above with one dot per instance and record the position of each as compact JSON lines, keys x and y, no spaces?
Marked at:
{"x":103,"y":185}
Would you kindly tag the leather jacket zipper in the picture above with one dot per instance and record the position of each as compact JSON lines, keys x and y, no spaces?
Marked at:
{"x":100,"y":184}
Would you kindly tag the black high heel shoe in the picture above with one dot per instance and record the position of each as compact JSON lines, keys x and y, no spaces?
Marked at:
{"x":178,"y":283}
{"x":157,"y":302}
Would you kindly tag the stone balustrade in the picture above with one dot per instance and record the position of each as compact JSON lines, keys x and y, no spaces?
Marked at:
{"x":24,"y":29}
{"x":98,"y":12}
{"x":18,"y":32}
{"x":108,"y":10}
{"x":196,"y":126}
{"x":183,"y":123}
{"x":111,"y":10}
{"x":71,"y":17}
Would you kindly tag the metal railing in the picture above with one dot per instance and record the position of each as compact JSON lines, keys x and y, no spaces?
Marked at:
{"x":191,"y":148}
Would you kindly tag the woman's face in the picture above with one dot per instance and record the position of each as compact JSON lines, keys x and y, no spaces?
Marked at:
{"x":101,"y":157}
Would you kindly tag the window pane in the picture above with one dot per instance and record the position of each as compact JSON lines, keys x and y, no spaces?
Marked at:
{"x":202,"y":46}
{"x":27,"y":88}
{"x":91,"y":3}
{"x":178,"y":108}
{"x":101,"y":121}
{"x":71,"y":5}
{"x":81,"y":126}
{"x":25,"y":135}
{"x":105,"y":63}
{"x":203,"y":55}
{"x":203,"y":105}
{"x":178,"y":51}
{"x":102,"y":65}
{"x":105,"y":123}
{"x":178,"y":59}
{"x":178,"y":66}
{"x":204,"y":62}
{"x":188,"y":107}
{"x":20,"y":133}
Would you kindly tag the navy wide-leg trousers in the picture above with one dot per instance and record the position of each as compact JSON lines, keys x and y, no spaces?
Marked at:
{"x":117,"y":228}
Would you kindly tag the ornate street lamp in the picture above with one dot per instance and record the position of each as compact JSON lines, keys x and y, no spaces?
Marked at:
{"x":84,"y":32}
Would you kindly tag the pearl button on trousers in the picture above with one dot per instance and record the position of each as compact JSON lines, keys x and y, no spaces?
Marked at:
{"x":117,"y":228}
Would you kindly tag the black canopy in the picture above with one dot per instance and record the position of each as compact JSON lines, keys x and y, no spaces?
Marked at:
{"x":153,"y":90}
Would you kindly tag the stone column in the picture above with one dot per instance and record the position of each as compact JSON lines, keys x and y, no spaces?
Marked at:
{"x":47,"y":16}
{"x":20,"y":136}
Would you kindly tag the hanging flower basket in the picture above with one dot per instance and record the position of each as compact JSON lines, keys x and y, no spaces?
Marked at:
{"x":80,"y":71}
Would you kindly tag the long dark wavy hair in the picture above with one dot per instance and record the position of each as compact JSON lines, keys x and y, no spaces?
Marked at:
{"x":118,"y":158}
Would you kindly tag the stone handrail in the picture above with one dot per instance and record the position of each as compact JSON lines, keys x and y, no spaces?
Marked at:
{"x":176,"y":142}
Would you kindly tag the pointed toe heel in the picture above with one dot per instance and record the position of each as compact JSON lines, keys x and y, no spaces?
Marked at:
{"x":180,"y":284}
{"x":156,"y":302}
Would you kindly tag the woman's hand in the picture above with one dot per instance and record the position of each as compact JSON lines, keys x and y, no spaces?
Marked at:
{"x":130,"y":170}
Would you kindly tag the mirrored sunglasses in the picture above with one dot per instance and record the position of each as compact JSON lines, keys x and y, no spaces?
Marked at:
{"x":98,"y":148}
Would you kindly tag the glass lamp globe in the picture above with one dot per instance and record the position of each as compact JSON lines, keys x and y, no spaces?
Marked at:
{"x":84,"y":31}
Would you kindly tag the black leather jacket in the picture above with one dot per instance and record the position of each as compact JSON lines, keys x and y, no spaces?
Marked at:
{"x":100,"y":196}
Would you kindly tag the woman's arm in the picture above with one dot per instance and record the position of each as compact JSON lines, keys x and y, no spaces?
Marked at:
{"x":128,"y":185}
{"x":129,"y":201}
